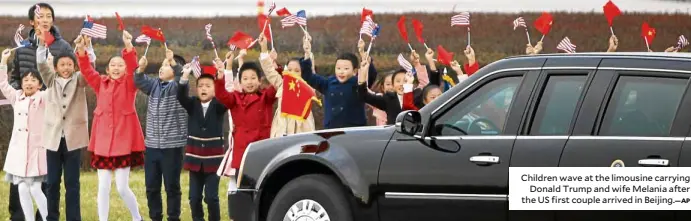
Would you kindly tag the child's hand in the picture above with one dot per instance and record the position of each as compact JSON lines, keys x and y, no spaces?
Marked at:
{"x":127,"y":39}
{"x":364,"y":70}
{"x":306,"y":44}
{"x":415,"y":58}
{"x":229,"y":60}
{"x":429,"y":55}
{"x":170,"y":58}
{"x":361,"y":47}
{"x":470,"y":54}
{"x":219,"y":66}
{"x":672,"y":49}
{"x":5,"y":56}
{"x":39,"y":37}
{"x":79,"y":44}
{"x":409,"y":79}
{"x":529,"y":49}
{"x":186,"y":72}
{"x":142,"y":64}
{"x":262,"y":44}
{"x":538,"y":47}
{"x":613,"y":43}
{"x":49,"y":60}
{"x":273,"y":55}
{"x":456,"y":67}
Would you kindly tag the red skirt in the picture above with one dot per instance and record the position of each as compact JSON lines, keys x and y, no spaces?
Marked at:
{"x":135,"y":159}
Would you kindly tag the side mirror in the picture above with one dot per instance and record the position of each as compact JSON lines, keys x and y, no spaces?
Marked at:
{"x":408,"y":122}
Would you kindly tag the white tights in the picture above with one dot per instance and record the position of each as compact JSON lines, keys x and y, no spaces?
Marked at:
{"x":122,"y":176}
{"x":26,"y":192}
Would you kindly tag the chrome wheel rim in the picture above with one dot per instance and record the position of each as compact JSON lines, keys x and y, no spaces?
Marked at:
{"x":306,"y":210}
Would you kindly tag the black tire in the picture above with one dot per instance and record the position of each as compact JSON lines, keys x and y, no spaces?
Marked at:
{"x":325,"y":190}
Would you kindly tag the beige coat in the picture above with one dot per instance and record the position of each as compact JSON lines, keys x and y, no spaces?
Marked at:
{"x":25,"y":156}
{"x":283,"y":125}
{"x":65,"y":108}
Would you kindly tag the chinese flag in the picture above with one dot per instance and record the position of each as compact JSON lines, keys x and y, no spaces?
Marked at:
{"x":297,"y":97}
{"x":283,"y":12}
{"x":48,"y":38}
{"x":402,"y":29}
{"x":241,"y":40}
{"x":544,"y":23}
{"x":209,"y":69}
{"x":121,"y":25}
{"x":417,"y":27}
{"x":444,"y":57}
{"x":611,"y":10}
{"x":365,"y":13}
{"x":648,"y":33}
{"x":263,"y":21}
{"x":155,"y":34}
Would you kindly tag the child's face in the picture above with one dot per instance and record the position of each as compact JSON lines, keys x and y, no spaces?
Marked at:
{"x":205,"y":89}
{"x":388,"y":84}
{"x":166,"y":72}
{"x":65,"y":67}
{"x":344,"y":70}
{"x":30,"y":85}
{"x":43,"y":21}
{"x":398,"y":81}
{"x":116,"y":68}
{"x":294,"y":66}
{"x":249,"y":81}
{"x":431,"y":95}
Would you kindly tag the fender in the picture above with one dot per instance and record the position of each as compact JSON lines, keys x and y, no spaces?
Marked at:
{"x":331,"y":155}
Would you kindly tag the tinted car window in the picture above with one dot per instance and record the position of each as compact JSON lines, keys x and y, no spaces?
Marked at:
{"x":642,"y":106}
{"x":557,"y":105}
{"x":481,"y":113}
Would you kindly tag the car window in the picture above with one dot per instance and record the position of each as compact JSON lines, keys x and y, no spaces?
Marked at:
{"x":484,"y":112}
{"x":557,"y":105}
{"x":642,"y":106}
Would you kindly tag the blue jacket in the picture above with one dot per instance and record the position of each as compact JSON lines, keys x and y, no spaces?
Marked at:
{"x":343,"y":106}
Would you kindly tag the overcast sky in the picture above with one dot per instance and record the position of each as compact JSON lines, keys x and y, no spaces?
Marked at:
{"x":327,"y":7}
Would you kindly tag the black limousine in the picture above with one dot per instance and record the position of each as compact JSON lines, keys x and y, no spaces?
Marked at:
{"x":450,"y":160}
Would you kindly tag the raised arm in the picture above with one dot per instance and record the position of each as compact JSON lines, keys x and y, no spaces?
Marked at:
{"x":222,"y":95}
{"x":92,"y":77}
{"x":183,"y":90}
{"x":141,"y":80}
{"x":45,"y":68}
{"x":8,"y":91}
{"x":472,"y":66}
{"x":422,"y":77}
{"x":130,"y":57}
{"x":318,"y":82}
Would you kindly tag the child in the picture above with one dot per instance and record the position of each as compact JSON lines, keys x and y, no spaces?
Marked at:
{"x":117,"y":141}
{"x":205,"y":145}
{"x":252,"y":108}
{"x":25,"y":163}
{"x":343,"y":107}
{"x":166,"y":135}
{"x":65,"y":129}
{"x":283,"y":125}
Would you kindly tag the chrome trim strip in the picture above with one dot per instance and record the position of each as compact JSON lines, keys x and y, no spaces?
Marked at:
{"x":542,"y":137}
{"x":568,"y":68}
{"x":469,"y":137}
{"x":479,"y":80}
{"x":445,"y":196}
{"x":627,"y":138}
{"x":644,"y":69}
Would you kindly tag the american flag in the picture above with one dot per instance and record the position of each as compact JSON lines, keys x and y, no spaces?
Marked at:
{"x":567,"y":46}
{"x":683,"y":42}
{"x":288,"y":21}
{"x":143,"y":39}
{"x":519,"y":22}
{"x":208,"y":34}
{"x":18,"y":35}
{"x":405,"y":64}
{"x":272,"y":7}
{"x":461,"y":19}
{"x":37,"y":10}
{"x":368,"y":26}
{"x":196,"y":68}
{"x":301,"y":18}
{"x":92,"y":29}
{"x":232,"y":47}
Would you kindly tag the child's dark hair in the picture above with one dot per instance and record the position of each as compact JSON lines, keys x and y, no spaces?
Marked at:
{"x":32,"y":73}
{"x":251,"y":66}
{"x":64,"y":55}
{"x":205,"y":76}
{"x":397,"y":72}
{"x":32,"y":13}
{"x":421,"y":102}
{"x":350,"y":57}
{"x":378,"y":85}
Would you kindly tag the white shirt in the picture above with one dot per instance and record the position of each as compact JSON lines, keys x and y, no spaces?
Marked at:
{"x":205,"y":106}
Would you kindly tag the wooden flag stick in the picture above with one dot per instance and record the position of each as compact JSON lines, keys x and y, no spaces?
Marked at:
{"x":646,"y":42}
{"x":411,"y":47}
{"x":370,"y":45}
{"x":611,"y":30}
{"x":543,"y":37}
{"x":468,"y":35}
{"x":272,"y":37}
{"x":147,"y":49}
{"x":425,"y":45}
{"x":216,"y":52}
{"x":528,"y":34}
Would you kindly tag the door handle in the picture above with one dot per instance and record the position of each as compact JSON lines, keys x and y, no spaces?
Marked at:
{"x":485,"y":159}
{"x":653,"y":162}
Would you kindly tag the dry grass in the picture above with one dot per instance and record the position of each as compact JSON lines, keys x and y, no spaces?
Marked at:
{"x":118,"y":211}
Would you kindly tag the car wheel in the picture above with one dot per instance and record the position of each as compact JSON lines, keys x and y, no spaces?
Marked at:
{"x":311,"y":198}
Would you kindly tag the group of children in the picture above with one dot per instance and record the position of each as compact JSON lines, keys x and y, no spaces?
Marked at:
{"x":182,"y":131}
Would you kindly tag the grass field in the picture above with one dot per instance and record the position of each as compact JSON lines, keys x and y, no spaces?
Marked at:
{"x":118,"y":211}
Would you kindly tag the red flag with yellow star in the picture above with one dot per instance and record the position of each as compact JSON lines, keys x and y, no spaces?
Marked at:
{"x":297,"y":96}
{"x":648,"y":34}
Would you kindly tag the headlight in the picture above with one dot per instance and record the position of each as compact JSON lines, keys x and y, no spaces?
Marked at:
{"x":242,"y":165}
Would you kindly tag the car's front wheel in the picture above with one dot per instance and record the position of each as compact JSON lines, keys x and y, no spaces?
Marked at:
{"x":312,"y":197}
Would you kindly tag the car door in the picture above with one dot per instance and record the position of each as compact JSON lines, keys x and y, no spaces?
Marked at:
{"x":547,"y":124}
{"x":628,"y":119}
{"x":460,"y":171}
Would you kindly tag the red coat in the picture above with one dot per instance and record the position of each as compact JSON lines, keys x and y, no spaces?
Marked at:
{"x":115,"y":130}
{"x":252,"y":116}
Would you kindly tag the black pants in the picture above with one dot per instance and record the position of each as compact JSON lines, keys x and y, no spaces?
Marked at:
{"x":16,"y":213}
{"x":166,"y":164}
{"x":206,"y":183}
{"x":70,"y":162}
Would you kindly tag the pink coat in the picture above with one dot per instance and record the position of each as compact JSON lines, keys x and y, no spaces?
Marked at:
{"x":116,"y":130}
{"x":25,"y":157}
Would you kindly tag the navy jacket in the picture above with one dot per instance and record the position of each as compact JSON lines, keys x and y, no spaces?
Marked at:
{"x":25,"y":58}
{"x":343,"y":106}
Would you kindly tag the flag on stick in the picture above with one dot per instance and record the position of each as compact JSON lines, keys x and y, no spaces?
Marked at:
{"x":210,"y":38}
{"x":405,"y":64}
{"x":611,"y":11}
{"x":403,"y":31}
{"x":196,"y":67}
{"x":92,"y":29}
{"x":417,"y":27}
{"x":462,"y":19}
{"x":566,"y":45}
{"x":544,"y":24}
{"x":520,"y":22}
{"x":648,"y":34}
{"x":683,"y":42}
{"x":297,"y":97}
{"x":367,"y":27}
{"x":144,"y":39}
{"x":18,"y":39}
{"x":443,"y":56}
{"x":366,"y":13}
{"x":121,"y":25}
{"x":241,"y":40}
